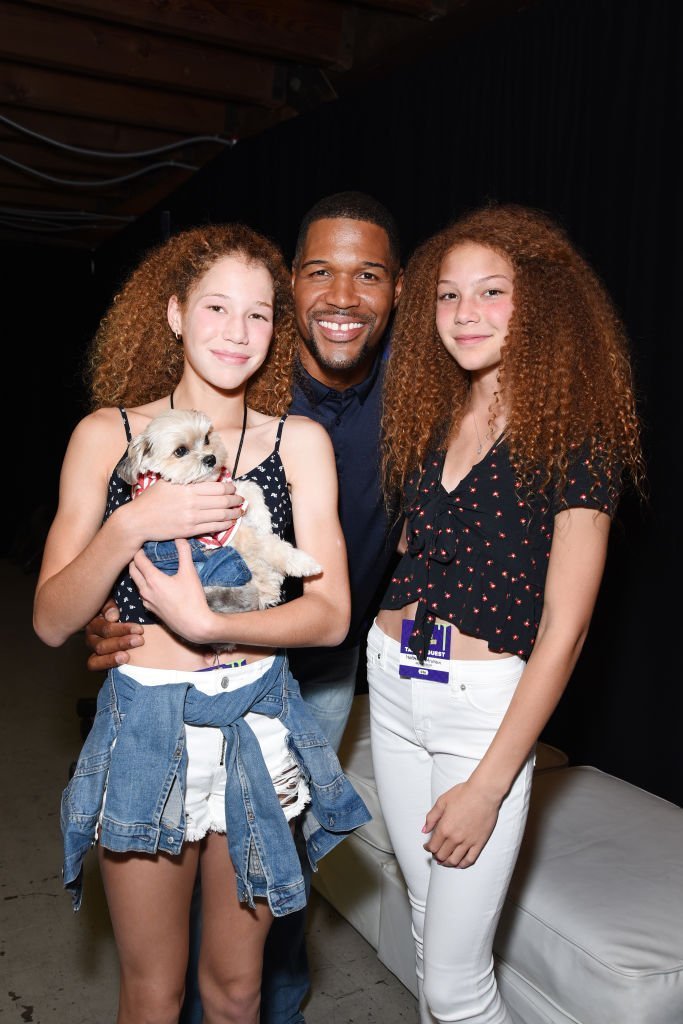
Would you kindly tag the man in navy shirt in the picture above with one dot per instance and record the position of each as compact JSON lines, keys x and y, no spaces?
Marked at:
{"x":346,"y":281}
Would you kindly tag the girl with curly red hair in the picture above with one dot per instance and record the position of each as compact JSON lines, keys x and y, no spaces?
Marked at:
{"x":509,"y":424}
{"x":206,"y":323}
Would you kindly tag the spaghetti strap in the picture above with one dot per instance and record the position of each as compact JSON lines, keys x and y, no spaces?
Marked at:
{"x":124,"y":417}
{"x":278,"y":436}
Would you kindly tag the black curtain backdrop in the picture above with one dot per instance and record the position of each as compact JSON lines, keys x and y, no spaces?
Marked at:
{"x":573,"y":106}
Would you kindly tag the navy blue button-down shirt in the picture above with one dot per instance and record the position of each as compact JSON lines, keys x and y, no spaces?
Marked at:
{"x":352,"y":419}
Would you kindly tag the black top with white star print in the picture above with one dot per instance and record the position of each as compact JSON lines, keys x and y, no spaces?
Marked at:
{"x":269,"y":475}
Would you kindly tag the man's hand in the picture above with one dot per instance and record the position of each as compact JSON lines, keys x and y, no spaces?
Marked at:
{"x":109,"y":640}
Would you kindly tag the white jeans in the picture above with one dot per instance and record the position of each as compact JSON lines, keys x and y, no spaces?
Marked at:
{"x":426,"y":737}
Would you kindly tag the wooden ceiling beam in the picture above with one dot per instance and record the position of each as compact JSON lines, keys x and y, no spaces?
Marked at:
{"x":385,"y":45}
{"x":85,"y":133}
{"x":114,"y":102}
{"x":305,"y":31}
{"x":63,"y":166}
{"x":36,"y":228}
{"x":429,"y":10}
{"x":149,"y":194}
{"x":79,"y":241}
{"x":19,"y":192}
{"x":68,"y":43}
{"x":15,"y":183}
{"x":59,"y":164}
{"x":25,"y":206}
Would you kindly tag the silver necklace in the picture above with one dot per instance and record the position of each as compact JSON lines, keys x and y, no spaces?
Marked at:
{"x":480,"y":446}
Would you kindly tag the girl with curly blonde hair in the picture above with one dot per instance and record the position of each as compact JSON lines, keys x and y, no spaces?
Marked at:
{"x":509,"y":424}
{"x":204,"y":323}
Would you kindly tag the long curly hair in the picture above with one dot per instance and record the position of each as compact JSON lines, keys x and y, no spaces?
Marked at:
{"x":135,"y":358}
{"x":565,"y":374}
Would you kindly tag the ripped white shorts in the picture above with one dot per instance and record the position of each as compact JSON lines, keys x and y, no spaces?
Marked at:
{"x":205,"y":791}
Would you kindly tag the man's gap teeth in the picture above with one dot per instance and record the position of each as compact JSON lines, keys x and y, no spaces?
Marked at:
{"x":328,"y":325}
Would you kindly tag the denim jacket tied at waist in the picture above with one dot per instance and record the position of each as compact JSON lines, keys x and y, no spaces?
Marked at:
{"x":136,"y":750}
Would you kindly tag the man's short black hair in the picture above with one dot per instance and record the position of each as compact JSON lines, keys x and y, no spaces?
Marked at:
{"x":351,"y":206}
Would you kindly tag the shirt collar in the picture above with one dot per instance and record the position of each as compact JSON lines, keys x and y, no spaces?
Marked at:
{"x":316,"y":392}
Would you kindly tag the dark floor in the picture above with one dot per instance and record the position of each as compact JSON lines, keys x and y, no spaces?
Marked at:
{"x":60,"y":967}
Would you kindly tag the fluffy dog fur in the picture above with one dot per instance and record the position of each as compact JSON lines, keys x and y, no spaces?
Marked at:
{"x":183,"y":448}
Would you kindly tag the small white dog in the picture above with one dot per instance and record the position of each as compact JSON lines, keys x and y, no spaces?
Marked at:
{"x":182,"y":447}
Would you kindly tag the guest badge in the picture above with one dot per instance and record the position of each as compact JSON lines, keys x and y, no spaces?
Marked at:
{"x":433,"y":669}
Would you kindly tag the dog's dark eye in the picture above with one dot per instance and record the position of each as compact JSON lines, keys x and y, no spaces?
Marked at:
{"x":179,"y":452}
{"x":206,"y":439}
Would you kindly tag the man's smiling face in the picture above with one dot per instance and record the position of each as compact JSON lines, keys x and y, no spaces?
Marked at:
{"x":345,"y":287}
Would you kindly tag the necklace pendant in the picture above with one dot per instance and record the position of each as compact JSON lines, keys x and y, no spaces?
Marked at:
{"x":481,"y":443}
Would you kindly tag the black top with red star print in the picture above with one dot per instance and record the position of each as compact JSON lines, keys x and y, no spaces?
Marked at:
{"x":477,"y":556}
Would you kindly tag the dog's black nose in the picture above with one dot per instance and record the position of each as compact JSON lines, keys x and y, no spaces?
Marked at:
{"x":209,"y":461}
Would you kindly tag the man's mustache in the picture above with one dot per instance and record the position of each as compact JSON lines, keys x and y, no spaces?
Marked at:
{"x":358,"y":318}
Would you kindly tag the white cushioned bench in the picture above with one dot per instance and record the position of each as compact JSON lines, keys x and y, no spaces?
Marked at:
{"x":592,"y":928}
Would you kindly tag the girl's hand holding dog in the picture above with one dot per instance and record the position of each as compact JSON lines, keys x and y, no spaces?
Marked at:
{"x":165,"y":510}
{"x":178,"y":600}
{"x":461,"y":822}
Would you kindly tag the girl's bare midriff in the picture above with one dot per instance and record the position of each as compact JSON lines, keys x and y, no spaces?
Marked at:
{"x":164,"y":650}
{"x":463,"y":647}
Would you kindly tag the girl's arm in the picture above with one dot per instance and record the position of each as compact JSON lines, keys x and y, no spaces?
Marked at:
{"x":82,"y":556}
{"x":321,"y":616}
{"x":463,"y":818}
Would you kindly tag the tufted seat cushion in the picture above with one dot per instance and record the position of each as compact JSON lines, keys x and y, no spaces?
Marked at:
{"x":592,"y":927}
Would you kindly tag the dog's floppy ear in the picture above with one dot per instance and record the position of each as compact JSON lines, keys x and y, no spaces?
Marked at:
{"x":134,"y":463}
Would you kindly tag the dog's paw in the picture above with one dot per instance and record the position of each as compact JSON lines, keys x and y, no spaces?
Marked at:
{"x":300,"y":563}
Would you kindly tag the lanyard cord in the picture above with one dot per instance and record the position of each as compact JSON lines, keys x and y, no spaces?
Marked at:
{"x":239,"y":446}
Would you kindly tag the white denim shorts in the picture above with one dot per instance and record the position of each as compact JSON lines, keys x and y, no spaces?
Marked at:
{"x":205,"y":790}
